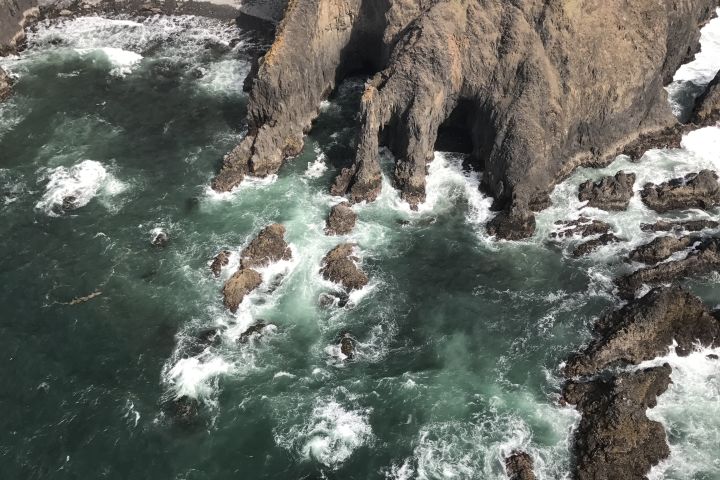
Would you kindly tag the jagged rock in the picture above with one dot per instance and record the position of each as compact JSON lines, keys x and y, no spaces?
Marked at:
{"x":703,"y":259}
{"x":610,"y":193}
{"x":252,"y":331}
{"x":707,"y":106}
{"x":696,"y":190}
{"x":347,"y":345}
{"x":160,"y":238}
{"x":341,"y":220}
{"x":69,"y":203}
{"x":519,"y":466}
{"x":15,"y":15}
{"x":243,"y":282}
{"x":269,"y":246}
{"x":678,"y":226}
{"x":645,"y":329}
{"x":591,"y":245}
{"x":5,"y":85}
{"x":615,"y":439}
{"x":660,"y":249}
{"x":666,"y":138}
{"x":339,"y":266}
{"x":512,"y":224}
{"x":583,"y":227}
{"x":438,"y":57}
{"x":209,"y":337}
{"x":221,"y":260}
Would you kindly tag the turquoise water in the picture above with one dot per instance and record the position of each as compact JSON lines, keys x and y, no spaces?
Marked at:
{"x":459,"y":338}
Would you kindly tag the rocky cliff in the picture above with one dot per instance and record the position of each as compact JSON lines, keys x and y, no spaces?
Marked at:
{"x":539,"y":87}
{"x":13,"y":15}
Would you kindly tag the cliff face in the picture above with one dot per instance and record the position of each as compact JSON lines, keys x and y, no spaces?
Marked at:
{"x":539,"y":86}
{"x":13,"y":15}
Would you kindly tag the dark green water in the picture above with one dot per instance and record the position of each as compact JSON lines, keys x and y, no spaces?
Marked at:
{"x":459,"y":339}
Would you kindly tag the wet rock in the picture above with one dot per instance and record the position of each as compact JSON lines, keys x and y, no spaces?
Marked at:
{"x":707,"y":105}
{"x":703,"y":259}
{"x":347,"y":345}
{"x":582,"y":227}
{"x":519,"y":466}
{"x":646,"y":328}
{"x":678,"y":226}
{"x":252,"y":331}
{"x":665,"y":138}
{"x":69,"y":203}
{"x":712,"y":356}
{"x":268,"y":247}
{"x":221,"y":260}
{"x":184,"y":410}
{"x":590,"y":246}
{"x":512,"y":224}
{"x":65,"y":13}
{"x":240,"y":284}
{"x":610,"y":193}
{"x":696,"y":190}
{"x":339,"y":266}
{"x":341,"y":220}
{"x":5,"y":85}
{"x":160,"y":239}
{"x":660,"y":249}
{"x":615,"y":439}
{"x":209,"y":337}
{"x":339,"y":299}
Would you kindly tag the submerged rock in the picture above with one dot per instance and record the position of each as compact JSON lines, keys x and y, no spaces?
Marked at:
{"x":340,"y":266}
{"x":583,"y":227}
{"x":252,"y":331}
{"x":221,"y":260}
{"x":268,"y":247}
{"x":615,"y":439}
{"x":347,"y":345}
{"x":660,"y":249}
{"x":680,"y":225}
{"x":590,"y":246}
{"x":341,"y":220}
{"x":426,"y":55}
{"x":160,"y":238}
{"x":703,"y":259}
{"x":519,"y":466}
{"x":183,"y":410}
{"x":696,"y":190}
{"x":243,"y":282}
{"x":646,"y":328}
{"x":610,"y":193}
{"x":209,"y":337}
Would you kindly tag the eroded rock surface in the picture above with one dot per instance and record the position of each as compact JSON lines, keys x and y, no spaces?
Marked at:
{"x":645,"y":329}
{"x":221,"y":260}
{"x":519,"y":466}
{"x":679,"y":226}
{"x":590,"y":246}
{"x":253,"y":331}
{"x":703,"y":259}
{"x":340,"y":266}
{"x":518,"y":71}
{"x":660,"y":249}
{"x":240,"y":284}
{"x":610,"y":193}
{"x":695,"y":190}
{"x":615,"y":439}
{"x":268,"y":247}
{"x":14,"y":16}
{"x":582,"y":227}
{"x":707,"y":106}
{"x":341,"y":220}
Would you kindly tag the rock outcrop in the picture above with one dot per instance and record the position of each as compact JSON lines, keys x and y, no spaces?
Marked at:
{"x":221,"y":260}
{"x":707,"y":106}
{"x":615,"y":439}
{"x":347,"y":345}
{"x":582,"y":227}
{"x":660,"y":249}
{"x":646,"y":328}
{"x":528,"y":82}
{"x":703,"y":259}
{"x":268,"y":247}
{"x":340,"y":266}
{"x":679,"y":226}
{"x":695,"y":190}
{"x":610,"y":193}
{"x":14,"y":16}
{"x":590,"y":246}
{"x":519,"y":466}
{"x":240,"y":284}
{"x":341,"y":220}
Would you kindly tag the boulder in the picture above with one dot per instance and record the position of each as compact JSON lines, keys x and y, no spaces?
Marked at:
{"x":341,"y":220}
{"x":660,"y":249}
{"x":609,"y":193}
{"x":340,"y":266}
{"x":702,"y":259}
{"x":240,"y":284}
{"x":646,"y":328}
{"x":209,"y":337}
{"x":519,"y":466}
{"x":615,"y":439}
{"x":183,"y":410}
{"x":590,"y":246}
{"x":695,"y":190}
{"x":679,"y":226}
{"x":268,"y":247}
{"x":221,"y":260}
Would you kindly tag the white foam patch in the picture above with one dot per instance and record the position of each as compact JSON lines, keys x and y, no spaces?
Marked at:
{"x":248,"y":183}
{"x":81,"y":182}
{"x":331,"y":434}
{"x":122,"y":61}
{"x":707,"y":62}
{"x":317,"y":168}
{"x":196,"y":378}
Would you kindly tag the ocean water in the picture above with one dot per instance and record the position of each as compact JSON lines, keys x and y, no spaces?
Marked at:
{"x":459,"y":337}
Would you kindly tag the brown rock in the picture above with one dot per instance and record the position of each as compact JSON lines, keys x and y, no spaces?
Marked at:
{"x":666,"y":138}
{"x":610,"y":193}
{"x":696,"y":190}
{"x":703,"y":259}
{"x":519,"y":466}
{"x":707,"y":106}
{"x":243,"y":282}
{"x":339,"y":266}
{"x":678,"y":226}
{"x":615,"y":439}
{"x":268,"y":247}
{"x":592,"y":245}
{"x":512,"y":224}
{"x":645,"y":329}
{"x":341,"y":220}
{"x":221,"y":260}
{"x":660,"y":249}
